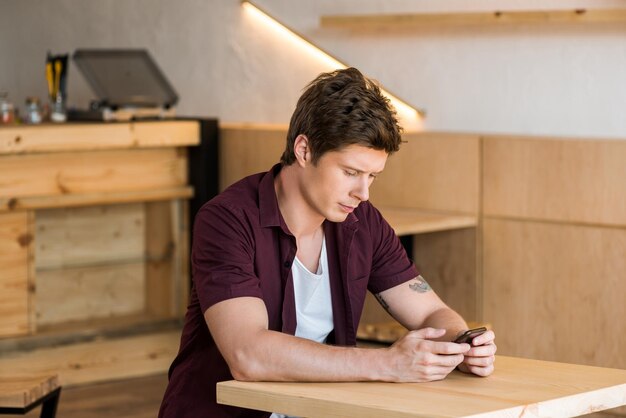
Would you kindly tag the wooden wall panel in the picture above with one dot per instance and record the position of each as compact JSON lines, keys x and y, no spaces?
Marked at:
{"x":91,"y":172}
{"x":246,"y":150}
{"x":447,"y":260}
{"x":556,"y":291}
{"x":89,"y":235}
{"x":15,"y":245}
{"x":564,"y":180}
{"x":82,"y":293}
{"x":432,"y":171}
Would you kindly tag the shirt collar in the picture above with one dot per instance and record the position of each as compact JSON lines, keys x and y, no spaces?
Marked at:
{"x":269,"y":212}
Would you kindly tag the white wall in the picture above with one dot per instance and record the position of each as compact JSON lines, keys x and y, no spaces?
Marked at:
{"x":559,"y":79}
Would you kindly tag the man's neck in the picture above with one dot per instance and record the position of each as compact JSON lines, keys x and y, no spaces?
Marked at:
{"x":300,"y":218}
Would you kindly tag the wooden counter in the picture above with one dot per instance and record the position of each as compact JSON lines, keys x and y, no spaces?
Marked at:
{"x":94,"y":231}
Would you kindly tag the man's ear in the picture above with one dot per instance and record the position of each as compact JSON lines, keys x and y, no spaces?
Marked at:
{"x":301,"y":150}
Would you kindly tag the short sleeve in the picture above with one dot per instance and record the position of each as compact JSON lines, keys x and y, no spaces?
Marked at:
{"x":390,"y":264}
{"x":222,"y":255}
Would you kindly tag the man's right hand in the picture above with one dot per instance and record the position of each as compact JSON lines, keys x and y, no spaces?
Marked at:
{"x":416,"y":357}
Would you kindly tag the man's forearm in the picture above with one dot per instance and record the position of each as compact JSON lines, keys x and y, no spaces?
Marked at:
{"x":448,"y":319}
{"x":280,"y":357}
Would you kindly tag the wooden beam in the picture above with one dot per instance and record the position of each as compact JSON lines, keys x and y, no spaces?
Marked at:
{"x":76,"y":173}
{"x":415,"y":20}
{"x":16,"y":241}
{"x":88,"y":199}
{"x":91,"y":136}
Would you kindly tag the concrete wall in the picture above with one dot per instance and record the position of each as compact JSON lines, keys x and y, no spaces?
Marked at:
{"x":553,"y":79}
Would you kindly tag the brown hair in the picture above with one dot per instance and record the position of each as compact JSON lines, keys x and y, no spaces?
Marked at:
{"x":342,"y":108}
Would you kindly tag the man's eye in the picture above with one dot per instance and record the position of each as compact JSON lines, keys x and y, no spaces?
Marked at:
{"x":350,"y":173}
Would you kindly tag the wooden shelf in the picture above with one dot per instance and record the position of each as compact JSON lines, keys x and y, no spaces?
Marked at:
{"x":412,"y":221}
{"x":87,"y":199}
{"x":408,"y":20}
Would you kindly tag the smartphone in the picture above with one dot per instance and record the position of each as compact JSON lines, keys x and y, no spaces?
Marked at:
{"x":469,"y":335}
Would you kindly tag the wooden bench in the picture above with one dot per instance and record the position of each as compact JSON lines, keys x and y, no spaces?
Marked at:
{"x":19,"y":395}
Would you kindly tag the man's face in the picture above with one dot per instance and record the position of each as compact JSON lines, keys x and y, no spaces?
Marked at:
{"x":341,"y":179}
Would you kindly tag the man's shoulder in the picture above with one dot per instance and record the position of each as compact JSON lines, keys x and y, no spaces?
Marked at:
{"x":241,"y":197}
{"x":241,"y":193}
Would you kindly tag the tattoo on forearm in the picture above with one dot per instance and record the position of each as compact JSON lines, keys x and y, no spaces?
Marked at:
{"x":382,"y":301}
{"x":420,"y":285}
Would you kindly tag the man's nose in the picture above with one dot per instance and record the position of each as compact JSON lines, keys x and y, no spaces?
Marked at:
{"x":362,"y":191}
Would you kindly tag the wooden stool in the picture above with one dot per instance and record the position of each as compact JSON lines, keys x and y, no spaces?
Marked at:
{"x":19,"y":395}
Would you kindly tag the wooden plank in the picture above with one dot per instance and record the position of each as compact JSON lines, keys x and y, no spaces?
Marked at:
{"x":82,"y":293}
{"x":97,"y":361}
{"x":21,"y":391}
{"x":556,"y":292}
{"x":91,"y":172}
{"x":245,"y":150}
{"x":88,"y":199}
{"x":89,"y":235}
{"x":15,"y":243}
{"x":555,"y":179}
{"x":518,"y":387}
{"x":432,"y":171}
{"x":167,"y":249}
{"x":417,"y":20}
{"x":412,"y":221}
{"x":97,"y":136}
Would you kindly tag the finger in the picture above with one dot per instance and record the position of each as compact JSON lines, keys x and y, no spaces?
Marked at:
{"x":436,"y":373}
{"x":479,"y":361}
{"x":428,"y":333}
{"x":438,"y":360}
{"x":481,"y":371}
{"x":444,"y":347}
{"x":482,"y":351}
{"x":485,"y":338}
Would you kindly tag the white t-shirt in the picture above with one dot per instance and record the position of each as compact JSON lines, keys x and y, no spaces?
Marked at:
{"x":314,"y":310}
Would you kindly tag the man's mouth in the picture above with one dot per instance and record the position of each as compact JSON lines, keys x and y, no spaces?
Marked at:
{"x":346,"y":208}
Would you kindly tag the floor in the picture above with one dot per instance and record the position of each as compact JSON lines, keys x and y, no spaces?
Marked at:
{"x":130,"y":398}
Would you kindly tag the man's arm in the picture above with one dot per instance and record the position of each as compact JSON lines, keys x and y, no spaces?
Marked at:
{"x":239,"y":328}
{"x":415,"y":305}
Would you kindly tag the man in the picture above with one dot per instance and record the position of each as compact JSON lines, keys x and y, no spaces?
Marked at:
{"x":282,"y":261}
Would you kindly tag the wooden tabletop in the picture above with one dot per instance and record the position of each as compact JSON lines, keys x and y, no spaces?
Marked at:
{"x":406,"y":221}
{"x":518,"y":387}
{"x":19,"y":392}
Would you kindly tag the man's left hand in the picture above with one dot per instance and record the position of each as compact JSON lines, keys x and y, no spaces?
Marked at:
{"x":480,"y":358}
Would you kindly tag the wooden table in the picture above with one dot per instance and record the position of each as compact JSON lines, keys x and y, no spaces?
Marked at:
{"x":518,"y":388}
{"x":19,"y":395}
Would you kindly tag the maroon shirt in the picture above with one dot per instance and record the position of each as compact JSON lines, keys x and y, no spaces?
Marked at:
{"x":242,"y":247}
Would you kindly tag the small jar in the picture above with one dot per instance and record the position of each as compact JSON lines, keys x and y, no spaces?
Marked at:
{"x":7,"y":111}
{"x":33,"y":111}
